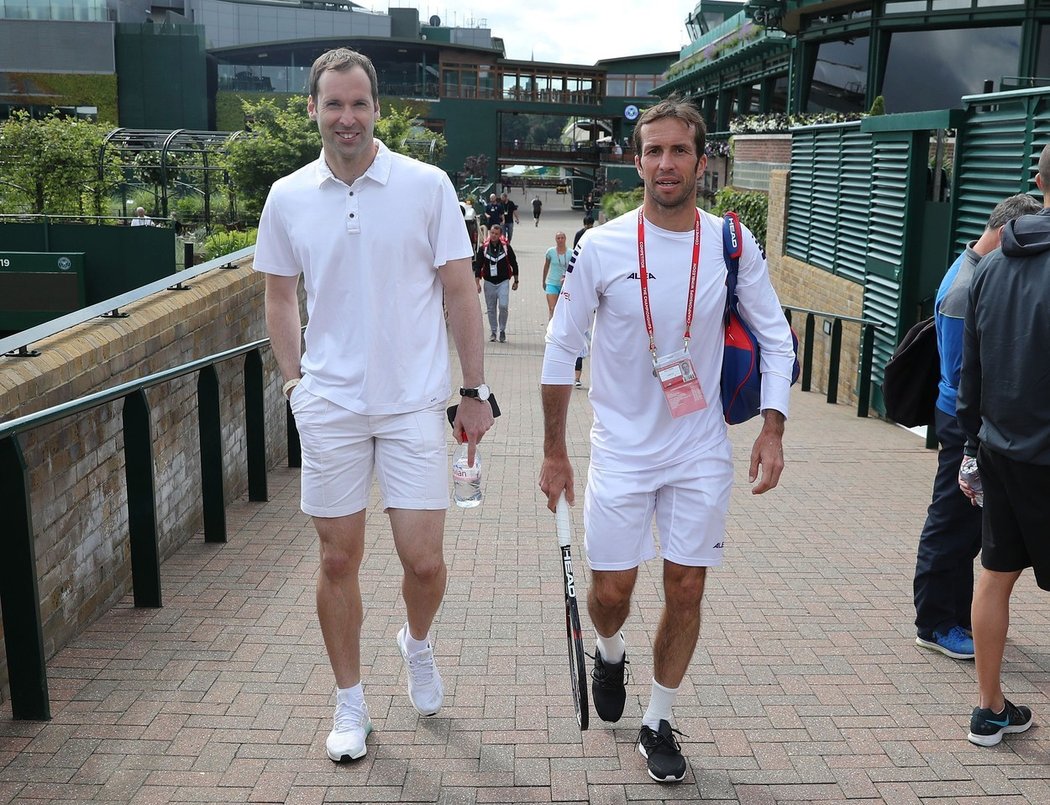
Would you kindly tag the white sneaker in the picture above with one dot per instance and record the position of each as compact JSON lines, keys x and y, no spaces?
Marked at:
{"x":425,"y":688}
{"x":351,"y":726}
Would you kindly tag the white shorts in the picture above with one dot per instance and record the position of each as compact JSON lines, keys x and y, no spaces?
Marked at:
{"x":341,"y":449}
{"x":689,"y":501}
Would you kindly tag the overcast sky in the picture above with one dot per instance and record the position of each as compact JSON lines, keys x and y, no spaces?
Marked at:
{"x":568,"y":31}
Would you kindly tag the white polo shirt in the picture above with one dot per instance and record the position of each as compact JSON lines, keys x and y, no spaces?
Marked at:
{"x":369,"y":253}
{"x":633,"y":429}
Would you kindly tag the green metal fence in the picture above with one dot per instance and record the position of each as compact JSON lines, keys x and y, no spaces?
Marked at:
{"x":863,"y":205}
{"x":19,"y":591}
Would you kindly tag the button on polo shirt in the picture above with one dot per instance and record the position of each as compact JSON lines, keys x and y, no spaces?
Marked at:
{"x":375,"y":339}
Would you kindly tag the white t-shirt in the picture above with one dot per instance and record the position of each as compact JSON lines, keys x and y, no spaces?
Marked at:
{"x":633,"y":429}
{"x":375,"y":338}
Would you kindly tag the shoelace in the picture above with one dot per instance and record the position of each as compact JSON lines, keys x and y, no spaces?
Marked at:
{"x":349,"y":716}
{"x":599,"y":673}
{"x":658,"y":739}
{"x":421,"y":666}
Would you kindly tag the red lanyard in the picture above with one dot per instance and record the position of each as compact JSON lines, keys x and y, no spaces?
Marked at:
{"x":643,"y":277}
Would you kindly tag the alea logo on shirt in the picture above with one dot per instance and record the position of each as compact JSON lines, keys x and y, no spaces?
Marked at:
{"x":634,"y":276}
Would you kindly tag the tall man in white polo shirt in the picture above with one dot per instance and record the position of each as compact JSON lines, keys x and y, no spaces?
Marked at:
{"x":655,"y":282}
{"x":377,"y":238}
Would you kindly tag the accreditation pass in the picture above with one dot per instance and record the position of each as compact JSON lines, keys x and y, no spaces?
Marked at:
{"x":679,"y":382}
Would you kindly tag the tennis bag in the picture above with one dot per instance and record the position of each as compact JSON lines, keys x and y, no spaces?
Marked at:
{"x":909,"y":385}
{"x":741,"y":372}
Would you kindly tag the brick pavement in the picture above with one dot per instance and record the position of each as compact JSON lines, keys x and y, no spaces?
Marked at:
{"x":806,"y":685}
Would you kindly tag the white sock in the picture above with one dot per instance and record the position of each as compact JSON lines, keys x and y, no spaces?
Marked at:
{"x":412,"y":645}
{"x":612,"y":648}
{"x":661,"y":700}
{"x":351,"y":695}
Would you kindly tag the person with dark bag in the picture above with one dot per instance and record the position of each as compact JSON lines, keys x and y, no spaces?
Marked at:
{"x":951,"y":535}
{"x":653,"y":283}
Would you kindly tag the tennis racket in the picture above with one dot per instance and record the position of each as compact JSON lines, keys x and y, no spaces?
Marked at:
{"x":577,"y":659}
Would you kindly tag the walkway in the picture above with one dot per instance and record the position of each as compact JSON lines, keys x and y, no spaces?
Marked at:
{"x":806,"y":686}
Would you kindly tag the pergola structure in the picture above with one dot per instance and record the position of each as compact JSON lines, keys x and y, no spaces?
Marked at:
{"x":166,"y":155}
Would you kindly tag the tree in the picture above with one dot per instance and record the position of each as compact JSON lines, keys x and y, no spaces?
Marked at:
{"x":476,"y":166}
{"x":402,"y":132}
{"x":283,"y":139}
{"x":54,"y":166}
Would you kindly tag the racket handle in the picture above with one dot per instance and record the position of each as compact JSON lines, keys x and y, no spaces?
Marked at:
{"x":564,"y":521}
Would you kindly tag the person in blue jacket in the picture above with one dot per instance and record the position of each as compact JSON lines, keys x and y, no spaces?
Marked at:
{"x":951,"y":536}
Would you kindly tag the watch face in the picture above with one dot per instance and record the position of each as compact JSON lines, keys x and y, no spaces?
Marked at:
{"x":483,"y":392}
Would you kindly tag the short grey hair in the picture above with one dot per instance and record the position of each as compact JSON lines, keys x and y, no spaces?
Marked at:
{"x":1013,"y":207}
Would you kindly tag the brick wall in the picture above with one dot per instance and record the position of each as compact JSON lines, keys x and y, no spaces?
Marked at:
{"x":802,"y":285}
{"x":756,"y":156}
{"x":76,"y":465}
{"x":762,"y":148}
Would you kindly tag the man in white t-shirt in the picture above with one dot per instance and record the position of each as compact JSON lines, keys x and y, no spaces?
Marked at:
{"x":659,"y":447}
{"x":369,"y":391}
{"x":141,"y":219}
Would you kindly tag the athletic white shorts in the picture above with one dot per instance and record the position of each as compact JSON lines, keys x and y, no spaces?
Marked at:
{"x":341,"y":450}
{"x":689,"y":502}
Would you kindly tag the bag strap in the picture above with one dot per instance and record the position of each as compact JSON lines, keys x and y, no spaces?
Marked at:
{"x":732,"y":248}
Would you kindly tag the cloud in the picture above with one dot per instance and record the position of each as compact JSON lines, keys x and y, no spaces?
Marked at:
{"x":572,"y":32}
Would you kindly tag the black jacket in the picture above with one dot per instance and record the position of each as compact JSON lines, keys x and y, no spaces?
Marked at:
{"x":501,"y":255}
{"x":1004,"y":390}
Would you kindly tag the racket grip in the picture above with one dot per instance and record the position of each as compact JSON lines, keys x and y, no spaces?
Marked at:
{"x":564,"y":521}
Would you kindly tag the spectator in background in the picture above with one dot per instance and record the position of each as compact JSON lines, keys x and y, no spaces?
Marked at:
{"x":588,"y":222}
{"x":497,"y":265}
{"x":951,"y":536}
{"x":1002,"y":409}
{"x":555,"y":264}
{"x":494,"y":212}
{"x":141,"y":219}
{"x":510,"y":216}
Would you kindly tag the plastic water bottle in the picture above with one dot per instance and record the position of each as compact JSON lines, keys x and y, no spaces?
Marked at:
{"x":970,"y":473}
{"x":466,"y":479}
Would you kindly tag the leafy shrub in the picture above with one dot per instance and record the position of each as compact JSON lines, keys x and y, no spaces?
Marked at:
{"x":222,"y":243}
{"x":751,"y":205}
{"x":616,"y":204}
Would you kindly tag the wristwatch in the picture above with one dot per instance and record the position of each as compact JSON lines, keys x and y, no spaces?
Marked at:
{"x":482,"y":392}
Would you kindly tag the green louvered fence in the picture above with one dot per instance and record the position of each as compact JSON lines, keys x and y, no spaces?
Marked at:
{"x":860,"y":206}
{"x":997,"y":155}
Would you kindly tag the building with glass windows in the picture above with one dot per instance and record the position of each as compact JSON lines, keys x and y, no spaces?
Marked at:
{"x":171,"y":64}
{"x":765,"y":56}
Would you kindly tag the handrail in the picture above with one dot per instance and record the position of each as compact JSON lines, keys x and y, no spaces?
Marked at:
{"x":19,"y":341}
{"x":62,"y":410}
{"x":826,"y":315}
{"x":19,"y":591}
{"x":867,"y":353}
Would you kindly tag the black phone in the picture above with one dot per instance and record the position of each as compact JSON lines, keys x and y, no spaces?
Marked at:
{"x":451,"y":411}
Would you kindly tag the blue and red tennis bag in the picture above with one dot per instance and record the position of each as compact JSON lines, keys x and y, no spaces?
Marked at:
{"x":741,"y":370}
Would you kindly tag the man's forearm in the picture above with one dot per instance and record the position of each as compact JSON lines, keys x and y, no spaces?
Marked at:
{"x":464,"y":321}
{"x":284,"y":327}
{"x":555,"y":409}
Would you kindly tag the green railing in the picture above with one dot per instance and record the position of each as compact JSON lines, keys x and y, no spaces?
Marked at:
{"x":867,"y":351}
{"x":19,"y":596}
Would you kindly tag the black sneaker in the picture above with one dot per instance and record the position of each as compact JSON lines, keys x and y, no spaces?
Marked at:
{"x":662,"y":753}
{"x":988,"y":728}
{"x":609,"y":687}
